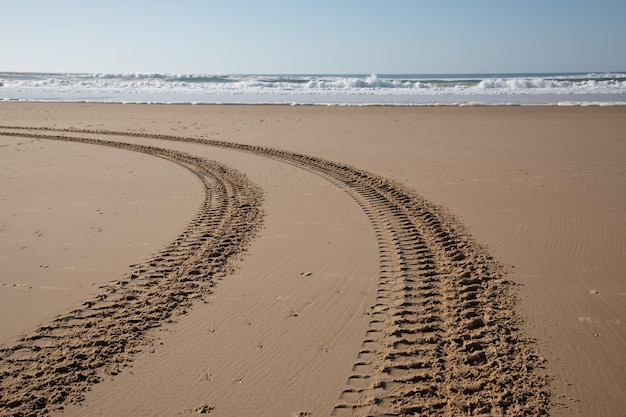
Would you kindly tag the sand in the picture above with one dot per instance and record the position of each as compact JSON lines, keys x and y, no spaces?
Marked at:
{"x":278,"y":260}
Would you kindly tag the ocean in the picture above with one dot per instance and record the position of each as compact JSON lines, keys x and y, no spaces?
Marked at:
{"x":315,"y":89}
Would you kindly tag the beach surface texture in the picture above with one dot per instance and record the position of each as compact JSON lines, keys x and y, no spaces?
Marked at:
{"x":312,"y":261}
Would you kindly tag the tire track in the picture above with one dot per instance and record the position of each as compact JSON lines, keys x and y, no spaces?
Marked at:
{"x":60,"y":361}
{"x":443,"y":339}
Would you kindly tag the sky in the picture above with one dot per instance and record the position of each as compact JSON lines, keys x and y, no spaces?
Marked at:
{"x":313,"y":37}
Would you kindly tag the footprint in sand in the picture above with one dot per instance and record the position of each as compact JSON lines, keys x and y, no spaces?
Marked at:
{"x":204,"y":409}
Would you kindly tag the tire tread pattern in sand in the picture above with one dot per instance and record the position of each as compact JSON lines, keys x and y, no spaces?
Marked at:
{"x":61,"y":360}
{"x":443,"y":339}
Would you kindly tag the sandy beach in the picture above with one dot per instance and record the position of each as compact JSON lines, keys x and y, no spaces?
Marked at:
{"x":312,"y":261}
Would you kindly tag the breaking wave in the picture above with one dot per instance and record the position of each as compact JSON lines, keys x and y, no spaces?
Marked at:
{"x":316,"y":89}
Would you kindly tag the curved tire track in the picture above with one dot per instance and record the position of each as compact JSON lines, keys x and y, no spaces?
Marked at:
{"x":443,"y":339}
{"x":60,"y":361}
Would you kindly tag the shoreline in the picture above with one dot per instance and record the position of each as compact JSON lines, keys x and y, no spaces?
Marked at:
{"x":311,"y":89}
{"x":522,"y":179}
{"x":356,"y":105}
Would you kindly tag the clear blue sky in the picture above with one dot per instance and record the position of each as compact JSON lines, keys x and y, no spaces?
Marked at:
{"x":303,"y":36}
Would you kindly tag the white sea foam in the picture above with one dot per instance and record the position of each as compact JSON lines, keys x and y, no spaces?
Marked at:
{"x":373,"y":89}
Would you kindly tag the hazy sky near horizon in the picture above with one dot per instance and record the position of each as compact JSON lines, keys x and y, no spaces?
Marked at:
{"x":305,"y":36}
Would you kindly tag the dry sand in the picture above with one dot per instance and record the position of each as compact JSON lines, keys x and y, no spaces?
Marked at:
{"x":353,"y":296}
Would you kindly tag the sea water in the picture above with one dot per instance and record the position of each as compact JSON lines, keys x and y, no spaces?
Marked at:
{"x":352,"y":89}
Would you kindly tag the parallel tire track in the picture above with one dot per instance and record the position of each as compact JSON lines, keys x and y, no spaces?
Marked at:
{"x":443,"y":339}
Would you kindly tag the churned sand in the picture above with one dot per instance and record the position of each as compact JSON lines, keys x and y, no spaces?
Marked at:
{"x":312,"y":261}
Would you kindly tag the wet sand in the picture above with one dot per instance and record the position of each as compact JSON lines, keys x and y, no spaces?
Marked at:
{"x":312,"y":260}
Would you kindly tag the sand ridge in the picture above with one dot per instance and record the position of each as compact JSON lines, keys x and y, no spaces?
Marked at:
{"x":442,"y":339}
